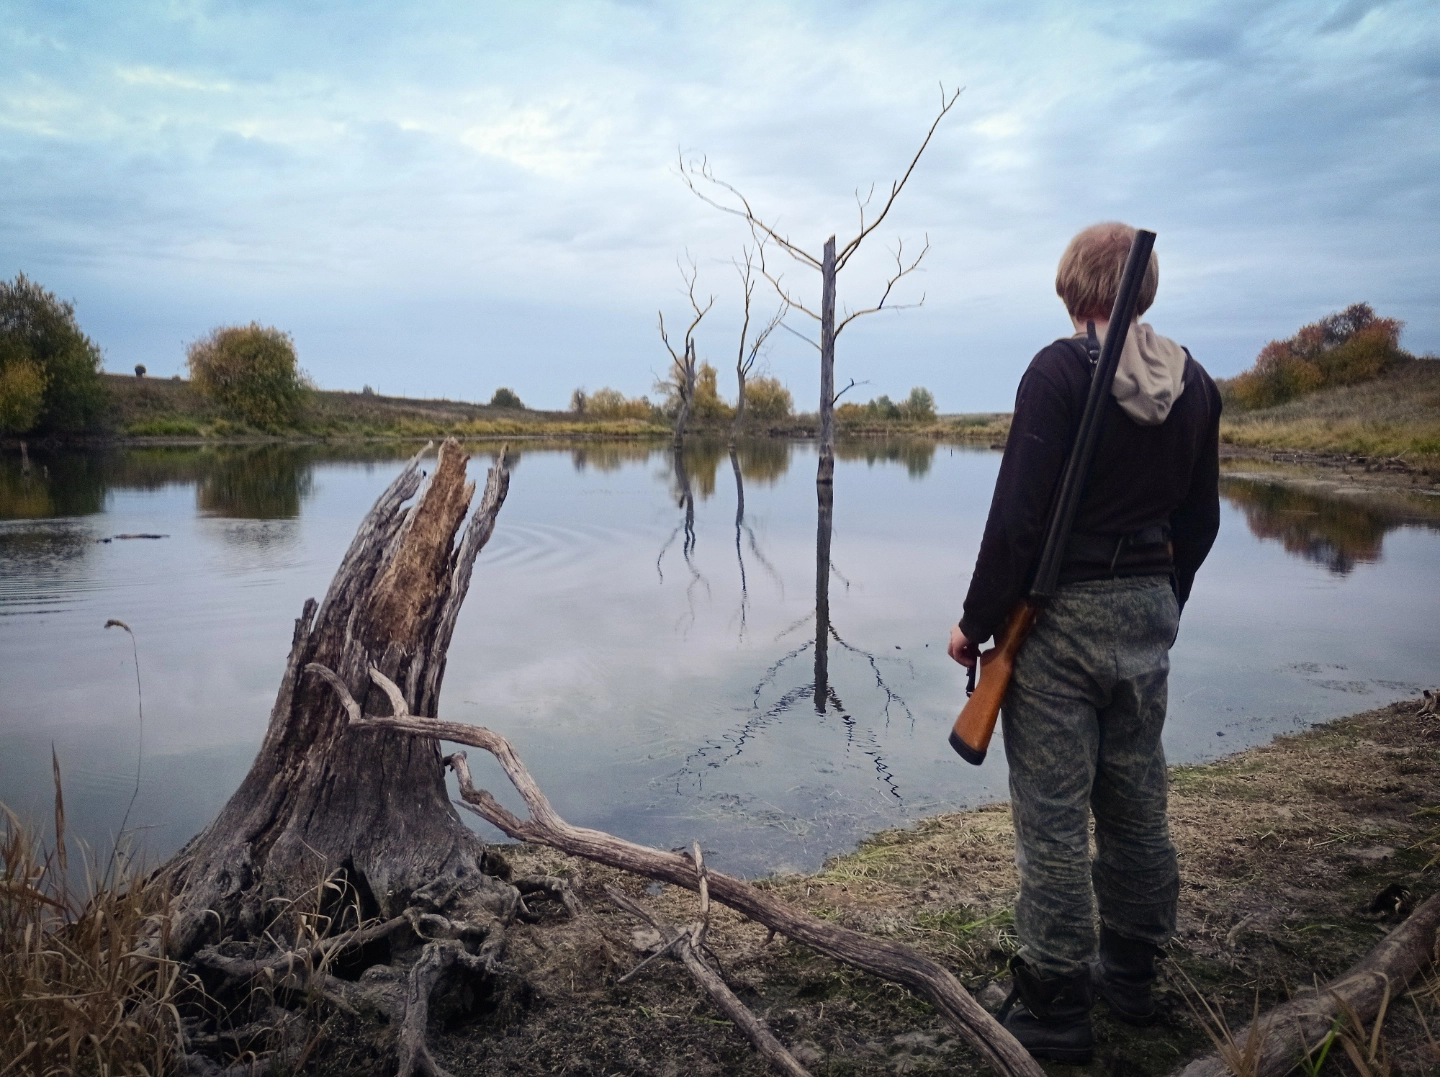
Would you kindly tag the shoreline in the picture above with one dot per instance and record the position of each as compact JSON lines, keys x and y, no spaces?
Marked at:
{"x":1296,"y":857}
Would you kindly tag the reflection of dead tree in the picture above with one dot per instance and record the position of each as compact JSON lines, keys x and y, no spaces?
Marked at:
{"x":819,"y":691}
{"x":685,"y":501}
{"x":702,"y":181}
{"x":683,"y":364}
{"x":890,"y":960}
{"x":742,"y":528}
{"x":749,"y":346}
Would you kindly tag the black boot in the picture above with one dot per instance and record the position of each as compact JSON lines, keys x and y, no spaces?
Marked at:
{"x":1123,"y":975}
{"x":1052,"y":1019}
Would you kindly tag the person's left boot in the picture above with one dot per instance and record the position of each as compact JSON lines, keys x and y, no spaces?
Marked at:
{"x":1123,"y":974}
{"x":1052,"y":1017}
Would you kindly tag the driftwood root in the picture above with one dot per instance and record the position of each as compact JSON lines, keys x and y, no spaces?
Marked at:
{"x":890,"y":960}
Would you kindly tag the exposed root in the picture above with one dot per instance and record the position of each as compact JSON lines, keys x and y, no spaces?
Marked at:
{"x":891,"y":960}
{"x":686,"y":944}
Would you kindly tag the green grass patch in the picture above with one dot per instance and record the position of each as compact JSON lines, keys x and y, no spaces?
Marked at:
{"x":165,"y":428}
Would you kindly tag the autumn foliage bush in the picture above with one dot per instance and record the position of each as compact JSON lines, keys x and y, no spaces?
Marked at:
{"x":49,"y":369}
{"x":1351,"y":346}
{"x":250,"y":372}
{"x":767,"y":398}
{"x":918,"y":407}
{"x":610,"y":404}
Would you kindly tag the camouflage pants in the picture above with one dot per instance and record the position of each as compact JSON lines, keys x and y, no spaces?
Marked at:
{"x":1082,"y":722}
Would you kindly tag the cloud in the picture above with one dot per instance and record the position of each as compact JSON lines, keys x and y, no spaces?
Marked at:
{"x":503,"y":176}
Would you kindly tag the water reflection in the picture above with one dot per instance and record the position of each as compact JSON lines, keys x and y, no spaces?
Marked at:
{"x":266,"y":483}
{"x":1335,"y":531}
{"x":744,"y":532}
{"x":45,"y":485}
{"x":684,"y":496}
{"x":755,"y":694}
{"x":917,"y":456}
{"x":787,"y":696}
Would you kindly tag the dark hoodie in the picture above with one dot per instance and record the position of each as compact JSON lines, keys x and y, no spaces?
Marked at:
{"x":1165,"y":473}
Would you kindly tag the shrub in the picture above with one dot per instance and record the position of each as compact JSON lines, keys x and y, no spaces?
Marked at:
{"x":1350,"y":346}
{"x":919,"y":406}
{"x":22,"y":395}
{"x":39,"y":331}
{"x":249,"y":371}
{"x":504,"y":398}
{"x":707,"y":406}
{"x":611,"y":404}
{"x":767,"y":398}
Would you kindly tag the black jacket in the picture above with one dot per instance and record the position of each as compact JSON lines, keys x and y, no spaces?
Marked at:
{"x":1140,"y":475}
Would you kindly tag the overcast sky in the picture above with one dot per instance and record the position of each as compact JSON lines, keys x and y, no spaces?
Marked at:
{"x":442,"y":198}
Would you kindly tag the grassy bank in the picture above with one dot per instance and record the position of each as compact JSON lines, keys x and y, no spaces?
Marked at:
{"x":152,"y":410}
{"x":1396,"y":415}
{"x":1283,"y":848}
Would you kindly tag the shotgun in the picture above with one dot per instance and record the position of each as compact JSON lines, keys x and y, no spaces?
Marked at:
{"x":976,"y":724}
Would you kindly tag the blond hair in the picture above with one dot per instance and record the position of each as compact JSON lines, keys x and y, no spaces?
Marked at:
{"x":1090,"y":269}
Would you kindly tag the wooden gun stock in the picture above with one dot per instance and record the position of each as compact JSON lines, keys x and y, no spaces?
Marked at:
{"x":976,"y":724}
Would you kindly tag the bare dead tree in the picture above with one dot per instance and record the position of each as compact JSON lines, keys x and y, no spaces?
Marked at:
{"x":683,"y":364}
{"x":750,"y":347}
{"x":320,"y":800}
{"x":700,"y":177}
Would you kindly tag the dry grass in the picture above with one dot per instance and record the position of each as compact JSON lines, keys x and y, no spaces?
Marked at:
{"x":1397,"y":414}
{"x":77,"y":994}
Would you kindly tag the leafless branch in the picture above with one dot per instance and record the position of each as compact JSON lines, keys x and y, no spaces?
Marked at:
{"x":696,"y":309}
{"x":801,"y":335}
{"x":901,"y":270}
{"x":692,"y":169}
{"x":847,"y":388}
{"x":777,"y":282}
{"x":750,"y":347}
{"x":946,"y":104}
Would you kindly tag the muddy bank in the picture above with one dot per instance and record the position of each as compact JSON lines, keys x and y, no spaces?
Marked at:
{"x":1284,"y":852}
{"x":1381,"y":480}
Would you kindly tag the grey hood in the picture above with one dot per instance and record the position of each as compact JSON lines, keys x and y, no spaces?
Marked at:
{"x":1151,"y":374}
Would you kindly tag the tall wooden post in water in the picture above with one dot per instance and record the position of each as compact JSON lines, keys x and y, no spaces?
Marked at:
{"x":826,"y":471}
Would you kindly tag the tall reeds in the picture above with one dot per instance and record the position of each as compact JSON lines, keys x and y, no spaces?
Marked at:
{"x":80,"y":990}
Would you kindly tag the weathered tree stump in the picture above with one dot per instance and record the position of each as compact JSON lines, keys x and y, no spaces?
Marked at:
{"x":370,"y":805}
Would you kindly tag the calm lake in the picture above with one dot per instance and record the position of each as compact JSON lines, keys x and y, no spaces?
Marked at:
{"x":647,"y":636}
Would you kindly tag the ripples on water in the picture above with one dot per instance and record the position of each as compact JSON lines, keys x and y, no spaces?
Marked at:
{"x":680,"y":649}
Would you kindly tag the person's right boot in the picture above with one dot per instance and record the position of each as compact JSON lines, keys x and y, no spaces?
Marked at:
{"x":1123,"y":975}
{"x":1052,"y":1020}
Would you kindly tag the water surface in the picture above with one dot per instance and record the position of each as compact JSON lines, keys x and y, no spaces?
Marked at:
{"x":672,"y":649}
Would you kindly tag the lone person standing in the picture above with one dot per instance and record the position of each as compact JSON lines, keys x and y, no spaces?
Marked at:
{"x":1086,"y":704}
